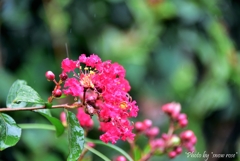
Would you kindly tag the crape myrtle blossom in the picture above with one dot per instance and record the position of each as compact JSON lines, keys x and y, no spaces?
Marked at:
{"x":102,"y":89}
{"x":84,"y":119}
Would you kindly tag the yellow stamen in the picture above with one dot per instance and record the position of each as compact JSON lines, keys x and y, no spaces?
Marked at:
{"x":92,"y":72}
{"x":123,"y":105}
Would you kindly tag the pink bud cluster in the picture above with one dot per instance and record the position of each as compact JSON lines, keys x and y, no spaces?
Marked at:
{"x":57,"y":92}
{"x":173,"y":110}
{"x":170,"y":143}
{"x":99,"y":88}
{"x":188,"y":139}
{"x":173,"y":142}
{"x":147,"y":129}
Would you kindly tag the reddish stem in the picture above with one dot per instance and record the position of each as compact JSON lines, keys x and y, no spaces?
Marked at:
{"x":83,"y":154}
{"x":147,"y":156}
{"x":171,"y":128}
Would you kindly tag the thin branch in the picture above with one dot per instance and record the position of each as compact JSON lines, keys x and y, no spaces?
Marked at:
{"x":5,"y":109}
{"x":147,"y":156}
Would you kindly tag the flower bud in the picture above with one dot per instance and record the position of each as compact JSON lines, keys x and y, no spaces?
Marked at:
{"x":57,"y":93}
{"x":63,"y":118}
{"x":63,"y":76}
{"x":165,"y":136}
{"x":178,"y":150}
{"x":120,"y":158}
{"x":157,"y":143}
{"x":172,"y":154}
{"x":152,"y":132}
{"x":183,"y":123}
{"x":174,"y":141}
{"x":147,"y":123}
{"x":172,"y":109}
{"x":139,"y":126}
{"x":49,"y":75}
{"x":181,"y":116}
{"x":187,"y":135}
{"x":90,"y":144}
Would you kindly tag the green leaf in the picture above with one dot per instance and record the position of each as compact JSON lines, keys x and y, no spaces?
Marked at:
{"x":137,"y":153}
{"x":10,"y":133}
{"x":56,"y":122}
{"x":147,"y":149}
{"x":75,"y":136}
{"x":22,"y":95}
{"x":12,"y":94}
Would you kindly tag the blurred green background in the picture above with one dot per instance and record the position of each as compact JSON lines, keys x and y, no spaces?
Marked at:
{"x":173,"y":50}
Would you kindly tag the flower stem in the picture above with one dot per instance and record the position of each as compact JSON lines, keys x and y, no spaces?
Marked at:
{"x":147,"y":156}
{"x":171,"y":128}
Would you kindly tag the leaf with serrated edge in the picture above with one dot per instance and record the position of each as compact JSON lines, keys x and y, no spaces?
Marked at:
{"x":10,"y":133}
{"x":75,"y":136}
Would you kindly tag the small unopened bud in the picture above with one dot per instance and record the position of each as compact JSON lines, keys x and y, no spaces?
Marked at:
{"x":147,"y":123}
{"x":165,"y":136}
{"x":49,"y":75}
{"x":120,"y":158}
{"x":139,"y":126}
{"x":63,"y":118}
{"x":187,"y":135}
{"x":178,"y":150}
{"x":183,"y":123}
{"x":172,"y":154}
{"x":174,"y":141}
{"x":57,"y":93}
{"x":157,"y":143}
{"x":172,"y":109}
{"x":91,"y":144}
{"x":63,"y":76}
{"x":152,"y":132}
{"x":182,"y":120}
{"x":181,"y":116}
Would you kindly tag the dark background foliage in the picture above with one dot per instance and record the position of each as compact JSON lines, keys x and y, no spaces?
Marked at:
{"x":184,"y":51}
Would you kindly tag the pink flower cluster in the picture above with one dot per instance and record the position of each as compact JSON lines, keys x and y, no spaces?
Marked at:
{"x":102,"y":90}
